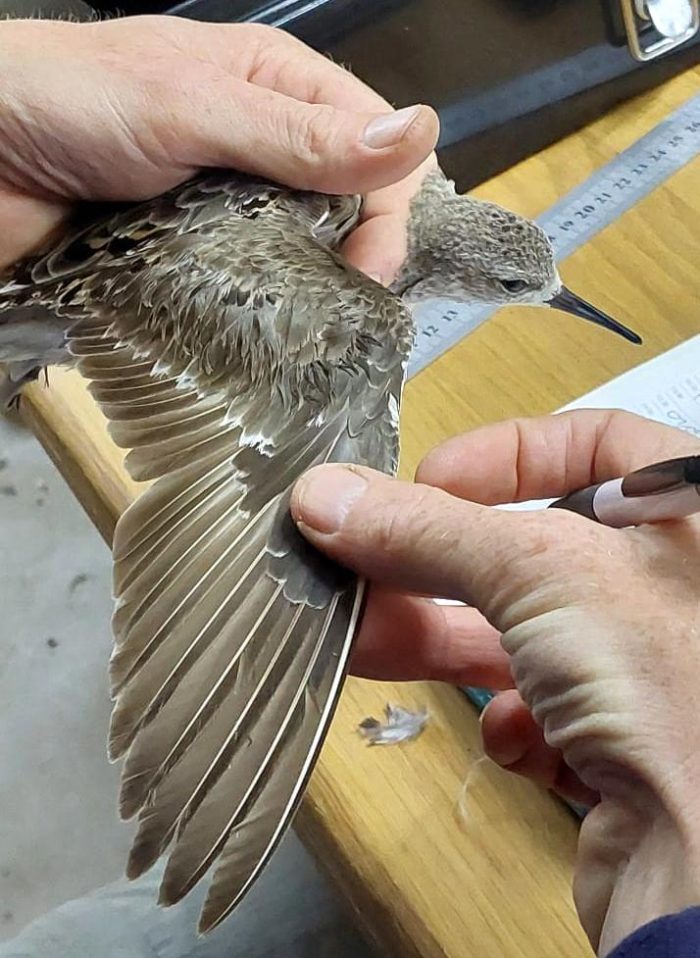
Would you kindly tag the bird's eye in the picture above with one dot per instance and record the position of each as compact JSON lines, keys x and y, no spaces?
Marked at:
{"x":513,"y":285}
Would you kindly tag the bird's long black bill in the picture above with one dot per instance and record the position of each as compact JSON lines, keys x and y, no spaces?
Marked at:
{"x":569,"y":302}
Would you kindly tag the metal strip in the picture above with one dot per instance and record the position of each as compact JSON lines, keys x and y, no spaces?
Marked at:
{"x":576,"y":218}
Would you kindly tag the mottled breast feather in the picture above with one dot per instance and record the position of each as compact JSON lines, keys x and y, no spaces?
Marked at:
{"x":230,"y":348}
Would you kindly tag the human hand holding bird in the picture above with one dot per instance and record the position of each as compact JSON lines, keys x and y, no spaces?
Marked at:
{"x":126,"y":109}
{"x":589,"y":633}
{"x":232,"y":343}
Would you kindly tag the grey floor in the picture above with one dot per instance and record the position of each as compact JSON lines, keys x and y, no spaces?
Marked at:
{"x":60,"y":838}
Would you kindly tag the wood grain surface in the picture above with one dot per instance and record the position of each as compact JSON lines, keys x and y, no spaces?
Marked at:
{"x":423,"y":879}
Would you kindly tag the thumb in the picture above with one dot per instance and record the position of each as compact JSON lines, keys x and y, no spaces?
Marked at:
{"x":416,"y":538}
{"x":311,"y":145}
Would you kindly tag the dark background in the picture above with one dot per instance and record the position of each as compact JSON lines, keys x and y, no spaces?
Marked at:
{"x":508,"y":77}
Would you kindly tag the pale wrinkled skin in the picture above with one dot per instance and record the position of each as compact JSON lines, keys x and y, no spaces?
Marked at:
{"x":128,"y":108}
{"x":599,"y":654}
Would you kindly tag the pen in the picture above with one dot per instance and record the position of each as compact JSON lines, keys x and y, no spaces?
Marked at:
{"x":662,"y":491}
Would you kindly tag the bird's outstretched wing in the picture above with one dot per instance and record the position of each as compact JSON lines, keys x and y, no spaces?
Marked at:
{"x":228,"y":362}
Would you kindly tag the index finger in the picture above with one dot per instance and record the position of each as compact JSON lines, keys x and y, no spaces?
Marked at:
{"x":279,"y":61}
{"x":549,"y":456}
{"x":286,"y":65}
{"x":378,"y":244}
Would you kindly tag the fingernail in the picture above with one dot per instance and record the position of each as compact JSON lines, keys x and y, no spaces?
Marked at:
{"x":323,"y":498}
{"x":377,"y":277}
{"x":389,"y":129}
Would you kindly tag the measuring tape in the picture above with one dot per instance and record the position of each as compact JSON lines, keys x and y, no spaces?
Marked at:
{"x":575,"y":219}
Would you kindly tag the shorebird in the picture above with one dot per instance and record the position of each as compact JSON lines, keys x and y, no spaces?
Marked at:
{"x":231,"y":347}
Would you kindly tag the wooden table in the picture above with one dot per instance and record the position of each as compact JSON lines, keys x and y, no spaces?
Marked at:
{"x":422,"y":880}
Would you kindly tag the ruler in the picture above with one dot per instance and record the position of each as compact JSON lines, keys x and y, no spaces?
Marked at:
{"x":575,"y":219}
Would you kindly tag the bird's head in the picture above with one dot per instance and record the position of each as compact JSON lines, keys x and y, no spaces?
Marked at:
{"x":471,"y":251}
